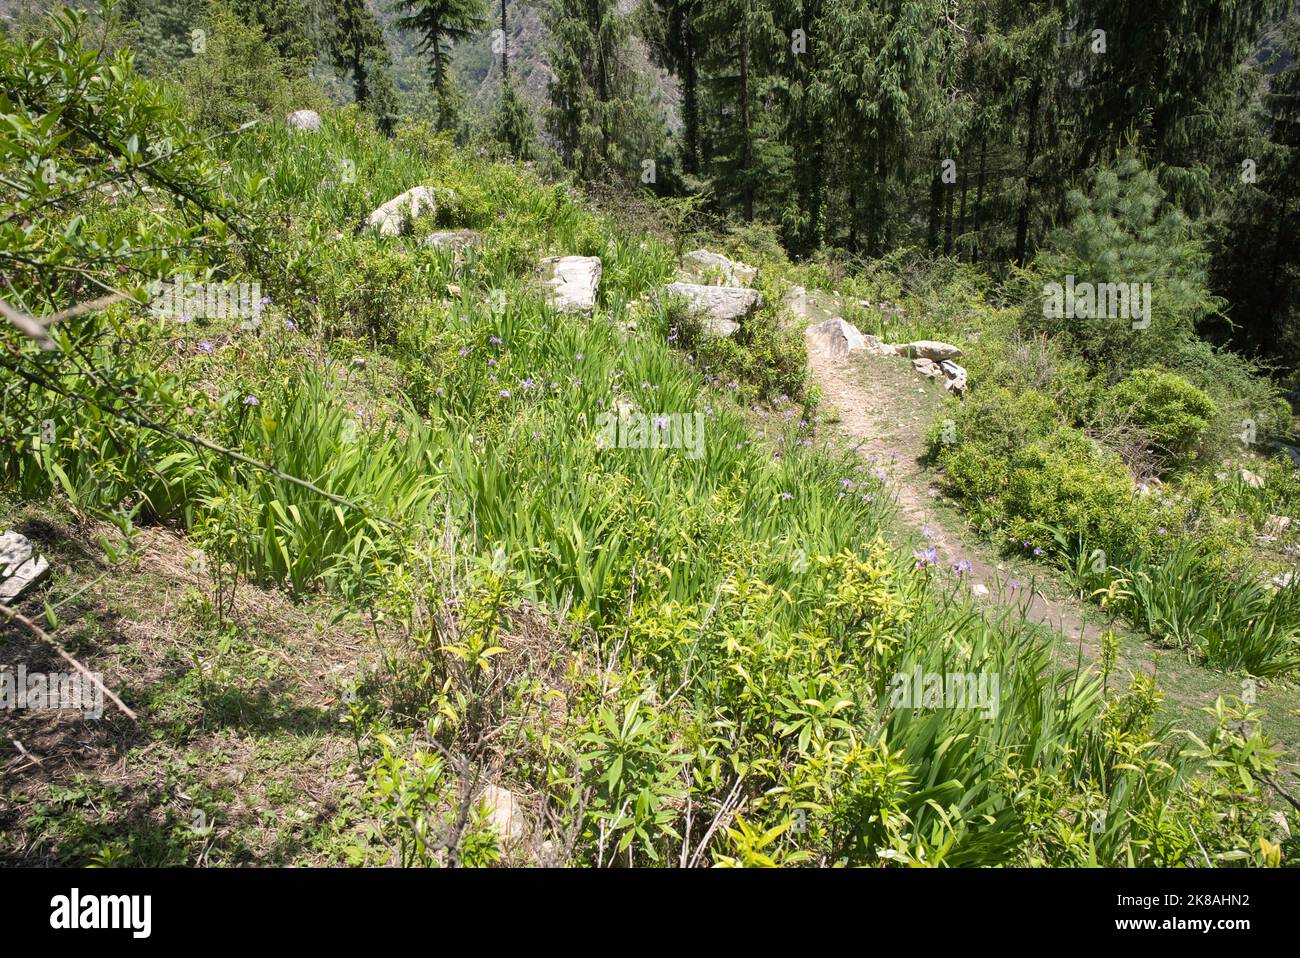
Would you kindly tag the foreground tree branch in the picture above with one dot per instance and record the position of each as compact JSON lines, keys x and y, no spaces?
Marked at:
{"x":15,"y":616}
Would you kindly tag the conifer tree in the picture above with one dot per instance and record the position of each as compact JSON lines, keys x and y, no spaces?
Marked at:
{"x":356,"y":44}
{"x":599,"y":120}
{"x":439,"y":24}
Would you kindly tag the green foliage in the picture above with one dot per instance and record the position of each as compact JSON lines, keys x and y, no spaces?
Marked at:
{"x":240,"y":76}
{"x":1120,"y":232}
{"x":642,"y":641}
{"x":602,"y":125}
{"x":439,"y":24}
{"x":513,"y":125}
{"x":1172,"y":411}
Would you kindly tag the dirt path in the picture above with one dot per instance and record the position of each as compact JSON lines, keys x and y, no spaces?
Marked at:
{"x":884,"y":411}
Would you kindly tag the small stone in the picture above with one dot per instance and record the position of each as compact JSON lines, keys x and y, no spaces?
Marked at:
{"x":504,"y":813}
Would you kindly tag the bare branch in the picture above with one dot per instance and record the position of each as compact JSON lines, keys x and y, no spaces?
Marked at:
{"x":16,"y":616}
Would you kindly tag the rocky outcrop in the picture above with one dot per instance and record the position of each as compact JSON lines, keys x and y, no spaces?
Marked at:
{"x":956,"y":383}
{"x":714,"y":268}
{"x":304,"y":121}
{"x":573,"y":281}
{"x":723,"y":306}
{"x":927,"y":367}
{"x":396,"y":216}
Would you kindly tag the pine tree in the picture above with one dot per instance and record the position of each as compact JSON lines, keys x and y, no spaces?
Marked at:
{"x":600,"y":122}
{"x":671,"y":28}
{"x":880,"y":79}
{"x":356,"y":44}
{"x":742,"y":148}
{"x":512,"y":124}
{"x":440,"y":23}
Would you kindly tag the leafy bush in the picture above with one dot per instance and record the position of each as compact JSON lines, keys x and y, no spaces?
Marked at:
{"x":1174,"y":412}
{"x":240,"y":77}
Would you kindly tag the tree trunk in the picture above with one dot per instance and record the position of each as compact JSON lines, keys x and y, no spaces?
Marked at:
{"x":961,"y":215}
{"x":853,"y":219}
{"x":979,"y":198}
{"x":747,"y":161}
{"x":690,"y":101}
{"x":949,"y":190}
{"x":438,"y":71}
{"x":932,"y":220}
{"x":1031,"y":151}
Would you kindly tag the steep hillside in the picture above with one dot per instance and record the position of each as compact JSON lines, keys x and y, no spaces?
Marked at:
{"x":407,"y":506}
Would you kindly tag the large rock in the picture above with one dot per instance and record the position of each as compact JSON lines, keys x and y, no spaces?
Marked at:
{"x":716,"y":268}
{"x":956,"y":383}
{"x":835,"y":337}
{"x":723,"y":306}
{"x":927,"y":367}
{"x":304,"y":121}
{"x":573,"y":281}
{"x":930,"y":349}
{"x":452,"y":239}
{"x":19,"y":568}
{"x":504,"y":813}
{"x":395,"y":217}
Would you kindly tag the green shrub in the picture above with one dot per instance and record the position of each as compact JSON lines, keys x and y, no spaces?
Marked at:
{"x":997,"y":420}
{"x":241,"y":77}
{"x":1171,"y":410}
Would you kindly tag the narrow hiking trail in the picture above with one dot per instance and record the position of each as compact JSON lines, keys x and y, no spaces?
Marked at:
{"x":884,"y":411}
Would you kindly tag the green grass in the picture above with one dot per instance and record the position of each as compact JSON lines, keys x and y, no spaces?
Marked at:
{"x":636,"y":640}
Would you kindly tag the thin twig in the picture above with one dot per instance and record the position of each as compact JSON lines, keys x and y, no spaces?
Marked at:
{"x":41,"y":634}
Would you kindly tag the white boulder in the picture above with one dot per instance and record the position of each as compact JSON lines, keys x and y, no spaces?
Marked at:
{"x":395,"y":217}
{"x":716,"y":267}
{"x":724,"y":306}
{"x":304,"y":121}
{"x":835,"y":337}
{"x":19,"y":567}
{"x":573,"y":281}
{"x":931,"y":349}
